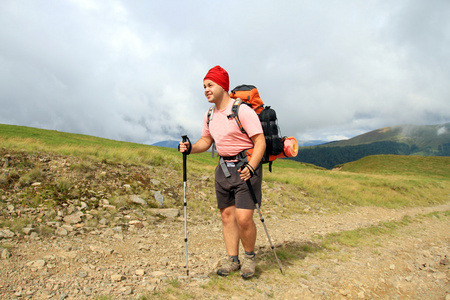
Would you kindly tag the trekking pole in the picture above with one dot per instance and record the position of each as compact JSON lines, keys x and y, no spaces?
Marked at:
{"x":185,"y":139}
{"x":252,"y":192}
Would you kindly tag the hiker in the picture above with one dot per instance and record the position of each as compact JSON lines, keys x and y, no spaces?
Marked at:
{"x":233,"y":197}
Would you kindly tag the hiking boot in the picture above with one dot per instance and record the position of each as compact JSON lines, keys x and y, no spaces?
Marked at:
{"x":227,"y":266}
{"x":248,"y":266}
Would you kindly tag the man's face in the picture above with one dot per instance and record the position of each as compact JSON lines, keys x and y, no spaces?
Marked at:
{"x":213,"y":91}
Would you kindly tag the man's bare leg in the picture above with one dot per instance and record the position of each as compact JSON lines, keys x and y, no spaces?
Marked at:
{"x":247,"y":228}
{"x":230,"y":230}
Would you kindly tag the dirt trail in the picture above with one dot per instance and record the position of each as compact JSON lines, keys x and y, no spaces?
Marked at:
{"x":412,"y":263}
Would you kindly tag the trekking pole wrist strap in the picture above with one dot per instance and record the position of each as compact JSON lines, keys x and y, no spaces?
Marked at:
{"x":250,"y":168}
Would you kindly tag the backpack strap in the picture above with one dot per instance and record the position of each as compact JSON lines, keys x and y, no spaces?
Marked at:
{"x":234,"y":114}
{"x":209,"y":119}
{"x":210,"y":114}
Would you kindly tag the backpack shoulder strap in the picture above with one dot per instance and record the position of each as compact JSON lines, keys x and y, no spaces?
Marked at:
{"x":234,"y":113}
{"x":210,"y":114}
{"x":209,"y":119}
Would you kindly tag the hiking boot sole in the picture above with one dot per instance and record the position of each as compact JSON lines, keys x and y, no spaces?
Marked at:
{"x":223,"y":273}
{"x":247,"y":275}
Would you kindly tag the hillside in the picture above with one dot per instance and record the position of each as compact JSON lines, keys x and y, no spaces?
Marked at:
{"x":422,"y":139}
{"x":432,"y":140}
{"x":89,"y":218}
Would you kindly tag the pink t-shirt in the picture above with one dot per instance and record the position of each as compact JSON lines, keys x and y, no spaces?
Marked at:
{"x":229,"y":139}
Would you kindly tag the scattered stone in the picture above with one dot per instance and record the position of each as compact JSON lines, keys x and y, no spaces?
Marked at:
{"x":117,"y":277}
{"x":5,"y":254}
{"x":157,"y":274}
{"x":344,"y":292}
{"x":140,"y":272}
{"x":166,"y":212}
{"x":73,"y":218}
{"x":63,"y":296}
{"x":136,"y":224}
{"x":61,"y":231}
{"x":68,"y":228}
{"x":155,"y":181}
{"x":88,"y":259}
{"x":40,"y":263}
{"x":138,"y":200}
{"x":6,"y":233}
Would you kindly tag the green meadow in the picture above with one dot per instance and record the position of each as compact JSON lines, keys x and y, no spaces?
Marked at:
{"x":383,"y":180}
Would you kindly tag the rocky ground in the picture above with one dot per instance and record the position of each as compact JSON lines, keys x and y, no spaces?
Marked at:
{"x":130,"y":253}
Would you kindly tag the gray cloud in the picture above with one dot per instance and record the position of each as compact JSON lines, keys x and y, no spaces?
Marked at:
{"x":132,"y":70}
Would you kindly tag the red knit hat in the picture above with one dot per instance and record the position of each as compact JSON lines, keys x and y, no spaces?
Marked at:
{"x":219,"y":76}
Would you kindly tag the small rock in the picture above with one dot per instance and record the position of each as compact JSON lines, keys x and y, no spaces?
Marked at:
{"x":136,"y":223}
{"x":67,"y":227}
{"x":140,"y":272}
{"x":40,"y":263}
{"x":63,"y":296}
{"x":5,"y":254}
{"x":169,"y":212}
{"x":6,"y":234}
{"x":73,"y":218}
{"x":157,"y":274}
{"x":138,"y":200}
{"x":344,"y":292}
{"x":61,"y":231}
{"x":117,"y":277}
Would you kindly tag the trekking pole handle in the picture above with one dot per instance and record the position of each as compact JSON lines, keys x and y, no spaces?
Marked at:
{"x":185,"y":139}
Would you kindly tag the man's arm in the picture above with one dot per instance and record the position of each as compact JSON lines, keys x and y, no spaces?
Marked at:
{"x":259,"y":146}
{"x":203,"y":144}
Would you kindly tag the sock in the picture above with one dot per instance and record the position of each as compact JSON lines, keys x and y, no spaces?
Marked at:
{"x":235,"y":258}
{"x":250,"y":253}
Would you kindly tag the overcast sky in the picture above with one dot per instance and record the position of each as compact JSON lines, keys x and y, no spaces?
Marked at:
{"x":133,"y":70}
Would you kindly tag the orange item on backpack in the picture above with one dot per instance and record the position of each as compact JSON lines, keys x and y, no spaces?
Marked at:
{"x":249,"y":94}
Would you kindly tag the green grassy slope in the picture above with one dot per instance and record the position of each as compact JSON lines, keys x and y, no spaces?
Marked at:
{"x":292,"y":187}
{"x":424,"y":166}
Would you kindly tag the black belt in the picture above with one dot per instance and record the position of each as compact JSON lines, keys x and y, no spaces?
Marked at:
{"x":241,"y":157}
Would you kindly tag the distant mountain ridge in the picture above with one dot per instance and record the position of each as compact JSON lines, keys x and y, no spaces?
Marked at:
{"x":167,"y":144}
{"x":423,"y":136}
{"x":425,"y":140}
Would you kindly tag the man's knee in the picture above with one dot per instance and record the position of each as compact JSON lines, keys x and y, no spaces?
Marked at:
{"x":244,"y":218}
{"x":228,"y":215}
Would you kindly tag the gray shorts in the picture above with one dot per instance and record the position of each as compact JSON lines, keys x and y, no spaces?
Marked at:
{"x":234,"y":191}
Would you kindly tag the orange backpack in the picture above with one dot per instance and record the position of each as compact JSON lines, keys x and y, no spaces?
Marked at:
{"x":276,"y":146}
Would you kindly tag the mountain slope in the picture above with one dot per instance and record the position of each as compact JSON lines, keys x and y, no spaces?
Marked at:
{"x":416,"y":136}
{"x":429,"y":140}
